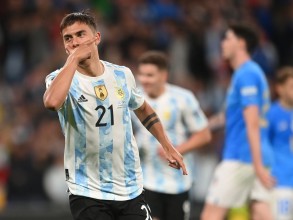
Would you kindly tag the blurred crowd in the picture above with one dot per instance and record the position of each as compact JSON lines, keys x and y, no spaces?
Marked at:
{"x":31,"y":141}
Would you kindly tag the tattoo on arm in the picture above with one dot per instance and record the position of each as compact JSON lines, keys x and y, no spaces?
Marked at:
{"x":152,"y":123}
{"x":146,"y":120}
{"x":150,"y":120}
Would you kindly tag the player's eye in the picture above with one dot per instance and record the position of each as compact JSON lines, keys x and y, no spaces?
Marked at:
{"x":67,"y":39}
{"x":80,"y":34}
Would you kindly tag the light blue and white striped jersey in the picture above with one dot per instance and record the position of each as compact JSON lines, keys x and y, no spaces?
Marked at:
{"x":180,"y":114}
{"x":248,"y":88}
{"x":101,"y":155}
{"x":281,"y":136}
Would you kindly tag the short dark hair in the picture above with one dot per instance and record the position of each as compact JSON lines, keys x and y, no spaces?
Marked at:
{"x":247,"y":33}
{"x":83,"y":17}
{"x":156,"y":58}
{"x":283,"y":74}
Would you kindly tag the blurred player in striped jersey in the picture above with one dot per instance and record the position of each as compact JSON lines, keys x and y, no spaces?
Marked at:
{"x":281,"y":135}
{"x":93,"y":99}
{"x":187,"y":127}
{"x":243,"y":174}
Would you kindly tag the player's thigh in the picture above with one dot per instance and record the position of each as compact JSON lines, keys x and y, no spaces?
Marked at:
{"x":231,"y":184}
{"x":178,"y":206}
{"x":282,"y":203}
{"x":260,"y":193}
{"x":83,"y":208}
{"x":213,"y":212}
{"x":135,"y":209}
{"x":156,"y":203}
{"x":261,"y":198}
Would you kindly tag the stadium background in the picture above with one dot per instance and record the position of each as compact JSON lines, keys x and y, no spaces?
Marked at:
{"x":189,"y":31}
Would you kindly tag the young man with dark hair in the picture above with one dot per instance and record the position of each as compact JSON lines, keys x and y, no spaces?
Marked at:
{"x":93,"y":99}
{"x":186,"y":124}
{"x":243,"y":173}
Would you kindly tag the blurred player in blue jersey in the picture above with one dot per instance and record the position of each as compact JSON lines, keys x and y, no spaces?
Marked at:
{"x":94,"y":99}
{"x":187,"y":127}
{"x":243,"y":173}
{"x":281,"y":135}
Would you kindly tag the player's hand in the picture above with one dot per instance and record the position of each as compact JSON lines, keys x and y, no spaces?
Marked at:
{"x":175,"y":159}
{"x":265,"y":177}
{"x":83,"y":51}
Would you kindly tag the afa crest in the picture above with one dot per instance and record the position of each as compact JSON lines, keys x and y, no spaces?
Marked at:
{"x":119,"y":93}
{"x":101,"y":92}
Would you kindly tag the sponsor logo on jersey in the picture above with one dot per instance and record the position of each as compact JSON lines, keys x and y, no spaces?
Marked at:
{"x":101,"y":92}
{"x":119,"y":93}
{"x":82,"y":99}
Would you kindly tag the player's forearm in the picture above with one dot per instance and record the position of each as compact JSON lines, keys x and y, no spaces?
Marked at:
{"x":217,"y":121}
{"x":56,"y":94}
{"x":253,"y":134}
{"x":152,"y":123}
{"x":197,"y":140}
{"x":254,"y":140}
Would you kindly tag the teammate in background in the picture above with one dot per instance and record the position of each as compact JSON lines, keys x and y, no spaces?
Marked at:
{"x":281,"y":135}
{"x":94,"y":99}
{"x":185,"y":124}
{"x":242,"y":174}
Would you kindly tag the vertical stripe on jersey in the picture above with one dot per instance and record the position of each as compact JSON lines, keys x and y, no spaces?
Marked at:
{"x":129,"y":157}
{"x":76,"y":116}
{"x":155,"y":166}
{"x":171,"y":123}
{"x":106,"y":146}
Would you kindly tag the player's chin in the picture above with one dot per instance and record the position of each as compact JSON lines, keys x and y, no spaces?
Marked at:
{"x":84,"y":63}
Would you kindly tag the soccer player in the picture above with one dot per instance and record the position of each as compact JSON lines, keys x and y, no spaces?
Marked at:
{"x":281,"y":135}
{"x":243,"y":173}
{"x":187,"y":127}
{"x":94,"y":99}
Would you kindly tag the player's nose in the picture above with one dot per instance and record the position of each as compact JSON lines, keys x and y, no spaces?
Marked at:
{"x":75,"y":42}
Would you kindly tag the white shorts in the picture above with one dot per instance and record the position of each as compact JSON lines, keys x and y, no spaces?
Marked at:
{"x":282,"y":203}
{"x":234,"y":184}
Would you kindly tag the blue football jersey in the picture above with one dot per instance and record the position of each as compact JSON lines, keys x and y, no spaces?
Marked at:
{"x":248,"y":87}
{"x":101,"y":157}
{"x":281,"y":137}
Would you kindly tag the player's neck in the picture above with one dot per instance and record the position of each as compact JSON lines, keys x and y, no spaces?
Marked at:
{"x":158,"y":92}
{"x":285,"y":104}
{"x":239,"y":59}
{"x":93,"y":68}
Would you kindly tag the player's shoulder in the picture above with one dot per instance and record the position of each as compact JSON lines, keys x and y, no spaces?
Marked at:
{"x":252,"y":68}
{"x":250,"y":71}
{"x":275,"y":107}
{"x":116,"y":67}
{"x":179,"y":91}
{"x":275,"y":111}
{"x":53,"y":74}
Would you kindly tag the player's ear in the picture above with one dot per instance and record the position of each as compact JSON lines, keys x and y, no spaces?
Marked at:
{"x":98,"y":38}
{"x":165,"y":75}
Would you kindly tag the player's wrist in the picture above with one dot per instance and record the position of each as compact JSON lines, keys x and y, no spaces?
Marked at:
{"x":72,"y":60}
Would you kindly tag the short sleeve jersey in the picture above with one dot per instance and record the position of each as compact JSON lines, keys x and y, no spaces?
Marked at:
{"x":101,"y":155}
{"x":248,"y":88}
{"x":281,"y":137}
{"x":180,"y":115}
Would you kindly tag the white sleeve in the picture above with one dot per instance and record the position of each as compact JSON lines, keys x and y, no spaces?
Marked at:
{"x":136,"y":96}
{"x":193,"y":116}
